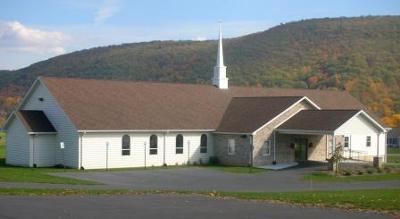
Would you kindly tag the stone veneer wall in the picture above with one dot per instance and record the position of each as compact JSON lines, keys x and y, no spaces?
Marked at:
{"x":242,"y":149}
{"x":283,"y":151}
{"x":318,"y":151}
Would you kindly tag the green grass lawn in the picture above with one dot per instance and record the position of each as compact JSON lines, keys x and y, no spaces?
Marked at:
{"x":34,"y":175}
{"x":37,"y":175}
{"x":386,"y":200}
{"x":325,"y":177}
{"x":393,"y":155}
{"x":377,"y":199}
{"x":240,"y":170}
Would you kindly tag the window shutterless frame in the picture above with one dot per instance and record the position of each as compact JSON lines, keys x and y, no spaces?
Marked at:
{"x":153,"y":145}
{"x":126,"y":145}
{"x":203,"y":144}
{"x":179,"y":144}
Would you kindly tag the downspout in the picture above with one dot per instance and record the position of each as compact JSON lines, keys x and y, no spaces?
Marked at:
{"x":251,"y":151}
{"x":377,"y":149}
{"x":326,"y":146}
{"x":81,"y":150}
{"x":145,"y":154}
{"x":164,"y":163}
{"x":274,"y":161}
{"x":33,"y":150}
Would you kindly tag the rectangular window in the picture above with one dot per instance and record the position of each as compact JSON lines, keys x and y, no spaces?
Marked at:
{"x":267,"y":147}
{"x":203,"y":144}
{"x":153,"y":144}
{"x":346,"y":141}
{"x":368,"y":141}
{"x":231,"y":146}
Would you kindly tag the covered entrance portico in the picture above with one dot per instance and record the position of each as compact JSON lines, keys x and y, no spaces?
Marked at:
{"x":315,"y":134}
{"x":308,"y":146}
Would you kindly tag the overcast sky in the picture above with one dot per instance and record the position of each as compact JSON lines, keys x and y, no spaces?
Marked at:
{"x":32,"y":31}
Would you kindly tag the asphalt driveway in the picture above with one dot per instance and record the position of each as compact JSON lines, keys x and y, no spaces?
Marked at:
{"x":207,"y":179}
{"x":156,"y":206}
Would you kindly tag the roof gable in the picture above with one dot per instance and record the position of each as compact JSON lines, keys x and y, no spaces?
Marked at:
{"x":247,"y":114}
{"x":318,"y":120}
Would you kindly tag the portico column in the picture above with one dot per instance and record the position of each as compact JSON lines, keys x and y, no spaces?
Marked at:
{"x":274,"y":161}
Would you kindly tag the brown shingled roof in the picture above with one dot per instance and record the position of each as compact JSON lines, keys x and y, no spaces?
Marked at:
{"x":247,"y":114}
{"x":317,"y":120}
{"x":128,"y":105}
{"x":35,"y":121}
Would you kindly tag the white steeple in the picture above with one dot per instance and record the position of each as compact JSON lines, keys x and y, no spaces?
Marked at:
{"x":220,"y":80}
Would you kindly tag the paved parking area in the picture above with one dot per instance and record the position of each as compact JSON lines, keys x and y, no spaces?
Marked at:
{"x":160,"y":206}
{"x":207,"y":179}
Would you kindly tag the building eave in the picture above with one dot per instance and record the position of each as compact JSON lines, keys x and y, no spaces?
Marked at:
{"x":144,"y":130}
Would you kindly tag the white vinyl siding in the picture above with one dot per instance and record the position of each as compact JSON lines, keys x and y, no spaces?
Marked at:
{"x":66,"y":132}
{"x":359,"y":128}
{"x":44,"y":148}
{"x":94,"y":150}
{"x":18,"y":144}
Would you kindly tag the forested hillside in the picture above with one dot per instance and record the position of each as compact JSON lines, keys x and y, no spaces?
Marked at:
{"x":361,"y":55}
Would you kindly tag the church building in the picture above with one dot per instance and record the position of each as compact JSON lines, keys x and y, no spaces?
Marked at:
{"x":93,"y":124}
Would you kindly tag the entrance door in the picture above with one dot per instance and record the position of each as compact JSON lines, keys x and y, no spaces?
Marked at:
{"x":301,"y":149}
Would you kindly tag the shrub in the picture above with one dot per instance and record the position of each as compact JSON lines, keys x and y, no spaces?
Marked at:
{"x":346,"y":173}
{"x":370,"y":170}
{"x":359,"y":172}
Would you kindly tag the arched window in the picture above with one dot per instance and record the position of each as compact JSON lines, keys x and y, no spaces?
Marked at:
{"x":126,"y":145}
{"x":179,"y":144}
{"x":203,"y":143}
{"x":153,"y":144}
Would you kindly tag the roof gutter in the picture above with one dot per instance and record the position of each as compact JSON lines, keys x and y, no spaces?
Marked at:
{"x":305,"y":132}
{"x":146,"y":130}
{"x":42,"y":133}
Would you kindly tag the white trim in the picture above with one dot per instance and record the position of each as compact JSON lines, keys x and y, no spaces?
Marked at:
{"x":286,"y":110}
{"x":231,"y":142}
{"x":279,"y":124}
{"x":373,"y":120}
{"x":42,"y":133}
{"x":305,"y":132}
{"x":147,"y":130}
{"x":368,"y":117}
{"x":231,"y":133}
{"x":267,"y":144}
{"x":24,"y":99}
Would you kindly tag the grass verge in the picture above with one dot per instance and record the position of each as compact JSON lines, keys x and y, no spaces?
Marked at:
{"x":386,"y":200}
{"x":324,"y":177}
{"x":37,"y":175}
{"x":383,"y":200}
